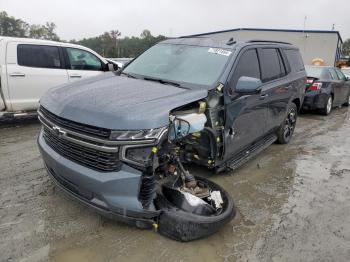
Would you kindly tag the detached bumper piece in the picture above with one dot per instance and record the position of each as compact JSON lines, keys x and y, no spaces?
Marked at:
{"x":184,"y":226}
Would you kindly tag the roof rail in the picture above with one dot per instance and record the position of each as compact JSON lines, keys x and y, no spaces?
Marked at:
{"x":231,"y":41}
{"x":267,"y":41}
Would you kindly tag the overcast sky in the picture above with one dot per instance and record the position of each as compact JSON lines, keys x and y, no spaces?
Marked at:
{"x":85,"y":18}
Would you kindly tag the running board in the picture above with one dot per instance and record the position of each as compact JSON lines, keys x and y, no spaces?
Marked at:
{"x":247,"y":154}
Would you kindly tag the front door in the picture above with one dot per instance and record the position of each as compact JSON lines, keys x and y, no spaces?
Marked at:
{"x":345,"y":86}
{"x":82,"y":64}
{"x":32,"y":69}
{"x":246,"y":115}
{"x":336,"y":88}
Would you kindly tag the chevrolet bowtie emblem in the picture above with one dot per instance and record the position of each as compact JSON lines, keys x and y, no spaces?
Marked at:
{"x":58,"y":131}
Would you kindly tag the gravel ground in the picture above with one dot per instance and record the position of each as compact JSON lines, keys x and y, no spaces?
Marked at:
{"x":293,"y":204}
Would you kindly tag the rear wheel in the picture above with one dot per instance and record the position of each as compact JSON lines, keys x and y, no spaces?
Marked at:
{"x":286,"y":130}
{"x":326,"y":110}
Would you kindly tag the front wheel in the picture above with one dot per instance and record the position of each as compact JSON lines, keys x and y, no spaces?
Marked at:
{"x":286,"y":130}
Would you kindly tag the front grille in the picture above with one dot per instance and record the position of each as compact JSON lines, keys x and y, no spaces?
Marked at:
{"x":89,"y":157}
{"x":74,"y":126}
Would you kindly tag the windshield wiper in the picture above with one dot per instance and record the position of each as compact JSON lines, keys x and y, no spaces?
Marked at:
{"x":128,"y":75}
{"x":166,"y":82}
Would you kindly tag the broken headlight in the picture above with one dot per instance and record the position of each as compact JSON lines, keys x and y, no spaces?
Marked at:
{"x":137,"y":155}
{"x":134,"y":135}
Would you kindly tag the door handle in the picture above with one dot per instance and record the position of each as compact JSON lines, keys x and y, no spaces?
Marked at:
{"x":17,"y":74}
{"x":75,"y":76}
{"x":263,"y":96}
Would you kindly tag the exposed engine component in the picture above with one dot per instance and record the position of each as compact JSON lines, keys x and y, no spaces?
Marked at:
{"x":183,"y":125}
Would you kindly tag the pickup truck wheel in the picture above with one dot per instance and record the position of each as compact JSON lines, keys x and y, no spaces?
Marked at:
{"x":183,"y":226}
{"x":286,"y":130}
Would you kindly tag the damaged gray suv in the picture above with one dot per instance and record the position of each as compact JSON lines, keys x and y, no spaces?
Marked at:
{"x":118,"y":142}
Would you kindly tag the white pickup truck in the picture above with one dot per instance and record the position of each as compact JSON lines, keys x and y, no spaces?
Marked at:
{"x":29,"y":67}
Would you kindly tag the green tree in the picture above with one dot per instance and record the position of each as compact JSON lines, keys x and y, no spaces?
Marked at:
{"x":50,"y":31}
{"x":10,"y":26}
{"x":346,"y":47}
{"x":46,"y":31}
{"x":109,"y":44}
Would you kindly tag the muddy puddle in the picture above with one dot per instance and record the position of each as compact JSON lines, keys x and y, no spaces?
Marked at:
{"x":292,"y":202}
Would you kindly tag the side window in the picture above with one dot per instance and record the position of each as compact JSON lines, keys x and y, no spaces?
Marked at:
{"x":333,"y":74}
{"x":340,"y":75}
{"x":248,"y":65}
{"x":83,"y":60}
{"x":42,"y":56}
{"x":295,"y":60}
{"x":271,"y":64}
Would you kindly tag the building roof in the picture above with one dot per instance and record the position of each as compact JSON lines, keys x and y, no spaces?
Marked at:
{"x":198,"y":41}
{"x":271,"y":30}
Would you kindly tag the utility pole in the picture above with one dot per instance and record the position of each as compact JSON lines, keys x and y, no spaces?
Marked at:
{"x":304,"y":26}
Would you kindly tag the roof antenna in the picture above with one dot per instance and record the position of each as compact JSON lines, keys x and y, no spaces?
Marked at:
{"x":231,"y":41}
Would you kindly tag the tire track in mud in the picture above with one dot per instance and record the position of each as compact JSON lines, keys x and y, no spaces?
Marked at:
{"x":313,"y":224}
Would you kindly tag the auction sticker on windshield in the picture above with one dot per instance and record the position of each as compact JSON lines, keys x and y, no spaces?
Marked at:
{"x":219,"y":51}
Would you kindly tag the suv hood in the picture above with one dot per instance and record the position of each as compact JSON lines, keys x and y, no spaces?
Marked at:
{"x":118,"y":102}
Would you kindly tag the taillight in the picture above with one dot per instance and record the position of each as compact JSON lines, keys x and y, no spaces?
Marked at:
{"x":315,"y":87}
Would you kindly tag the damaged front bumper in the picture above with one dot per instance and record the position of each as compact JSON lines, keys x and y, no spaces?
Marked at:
{"x":113,"y":194}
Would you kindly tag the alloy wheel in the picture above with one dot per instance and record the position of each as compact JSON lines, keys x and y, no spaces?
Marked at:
{"x":290,"y":123}
{"x":329,"y":105}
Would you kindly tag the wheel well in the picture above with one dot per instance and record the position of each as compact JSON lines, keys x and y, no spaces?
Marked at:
{"x":296,"y":101}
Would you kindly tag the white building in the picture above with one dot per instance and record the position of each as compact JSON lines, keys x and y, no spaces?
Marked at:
{"x":326,"y":45}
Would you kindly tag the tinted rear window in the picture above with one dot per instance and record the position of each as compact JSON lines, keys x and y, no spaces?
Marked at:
{"x":38,"y":56}
{"x":314,"y":72}
{"x":271,"y":64}
{"x":295,"y":60}
{"x":318,"y":72}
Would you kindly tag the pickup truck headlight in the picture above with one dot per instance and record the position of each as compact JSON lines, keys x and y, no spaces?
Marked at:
{"x":134,"y":135}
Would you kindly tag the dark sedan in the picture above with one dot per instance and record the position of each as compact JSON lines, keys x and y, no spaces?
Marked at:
{"x":326,"y":87}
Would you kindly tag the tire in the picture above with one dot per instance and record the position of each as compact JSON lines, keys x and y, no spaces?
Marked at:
{"x":286,"y":130}
{"x":327,"y":109}
{"x":184,"y":226}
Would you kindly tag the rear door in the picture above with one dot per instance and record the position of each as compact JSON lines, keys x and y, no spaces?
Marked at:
{"x":32,"y":69}
{"x":277,"y":87}
{"x":82,"y":64}
{"x":245,"y":114}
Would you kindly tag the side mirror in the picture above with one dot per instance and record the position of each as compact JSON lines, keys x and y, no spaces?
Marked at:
{"x":112,"y":67}
{"x":247,"y":84}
